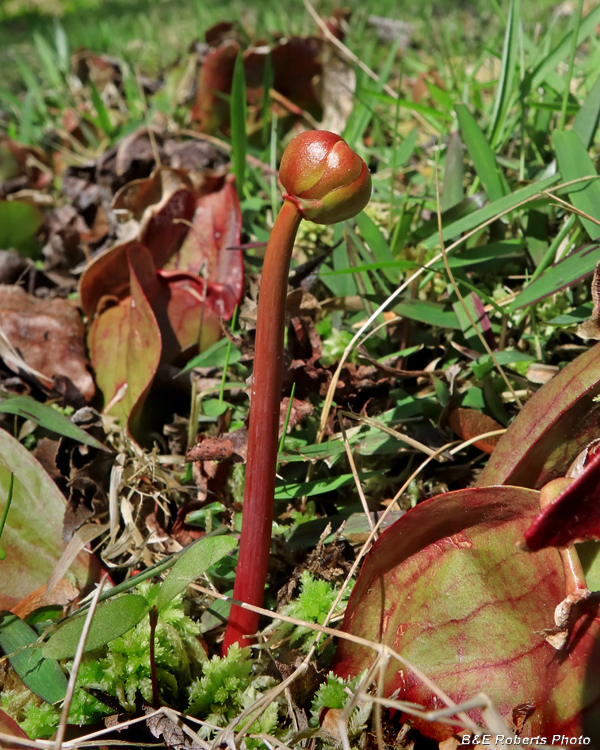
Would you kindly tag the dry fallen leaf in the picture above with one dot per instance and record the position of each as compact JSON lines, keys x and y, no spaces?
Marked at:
{"x":48,"y":335}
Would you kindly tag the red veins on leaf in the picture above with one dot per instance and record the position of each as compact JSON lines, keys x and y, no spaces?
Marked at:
{"x":447,"y":588}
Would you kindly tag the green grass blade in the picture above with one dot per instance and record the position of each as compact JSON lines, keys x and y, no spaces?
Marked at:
{"x":215,"y":356}
{"x":574,"y":162}
{"x":34,"y":90}
{"x":42,"y":676}
{"x":47,"y":417}
{"x":61,"y":44}
{"x":507,"y":72}
{"x":287,"y":419}
{"x":567,"y":89}
{"x":482,"y":155}
{"x":453,"y":192}
{"x":586,"y":122}
{"x":488,"y":212}
{"x":431,"y":313}
{"x":377,"y":243}
{"x":5,"y":512}
{"x":560,"y":52}
{"x":238,"y":123}
{"x":268,"y":81}
{"x":566,"y":273}
{"x":315,"y":487}
{"x":26,"y":126}
{"x":406,"y":148}
{"x":101,"y":111}
{"x":48,"y":60}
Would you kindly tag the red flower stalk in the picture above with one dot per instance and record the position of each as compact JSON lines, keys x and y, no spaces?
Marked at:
{"x":323,"y":180}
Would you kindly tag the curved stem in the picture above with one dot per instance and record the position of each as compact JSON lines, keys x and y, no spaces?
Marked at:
{"x":261,"y":461}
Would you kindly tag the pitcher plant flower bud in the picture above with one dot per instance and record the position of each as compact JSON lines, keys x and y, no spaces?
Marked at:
{"x":325,"y":181}
{"x":324,"y":178}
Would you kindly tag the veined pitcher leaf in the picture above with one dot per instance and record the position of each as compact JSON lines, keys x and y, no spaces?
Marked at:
{"x":10,"y":727}
{"x":574,"y":516}
{"x":552,"y":429}
{"x":448,"y":589}
{"x":32,"y":549}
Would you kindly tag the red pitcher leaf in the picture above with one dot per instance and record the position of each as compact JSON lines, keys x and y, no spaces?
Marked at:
{"x":211,"y":111}
{"x":207,"y":166}
{"x":575,"y":514}
{"x":448,"y":589}
{"x":468,"y":423}
{"x":44,"y":337}
{"x":296,"y":64}
{"x":138,"y":147}
{"x":9,"y":726}
{"x":32,"y":549}
{"x":162,"y":203}
{"x":552,"y":429}
{"x":125,"y":343}
{"x":107,"y":343}
{"x":296,"y":61}
{"x":216,"y":226}
{"x":185,"y":317}
{"x":107,"y":276}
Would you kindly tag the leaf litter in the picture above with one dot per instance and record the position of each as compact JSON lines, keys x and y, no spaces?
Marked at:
{"x":126,"y":251}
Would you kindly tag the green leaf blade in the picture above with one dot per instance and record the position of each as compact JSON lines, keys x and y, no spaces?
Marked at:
{"x":575,"y":163}
{"x":111,"y":620}
{"x":197,"y":559}
{"x":42,"y":676}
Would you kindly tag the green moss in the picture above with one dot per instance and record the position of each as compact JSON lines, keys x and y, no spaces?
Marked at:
{"x":226,"y":688}
{"x":312,"y":606}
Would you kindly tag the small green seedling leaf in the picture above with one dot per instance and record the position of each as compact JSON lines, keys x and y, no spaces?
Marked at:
{"x":112,"y":619}
{"x":195,"y":560}
{"x":47,"y":417}
{"x":42,"y":676}
{"x":5,"y":512}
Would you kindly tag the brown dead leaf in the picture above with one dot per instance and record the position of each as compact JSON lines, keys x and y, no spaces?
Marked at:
{"x":22,"y":167}
{"x":468,"y":423}
{"x":329,"y":724}
{"x":48,"y":334}
{"x":590,"y":329}
{"x":61,"y":595}
{"x":232,"y":445}
{"x":171,"y":732}
{"x":299,"y":411}
{"x":210,"y":110}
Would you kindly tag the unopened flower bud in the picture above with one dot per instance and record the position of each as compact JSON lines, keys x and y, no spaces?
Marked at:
{"x":324,"y":178}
